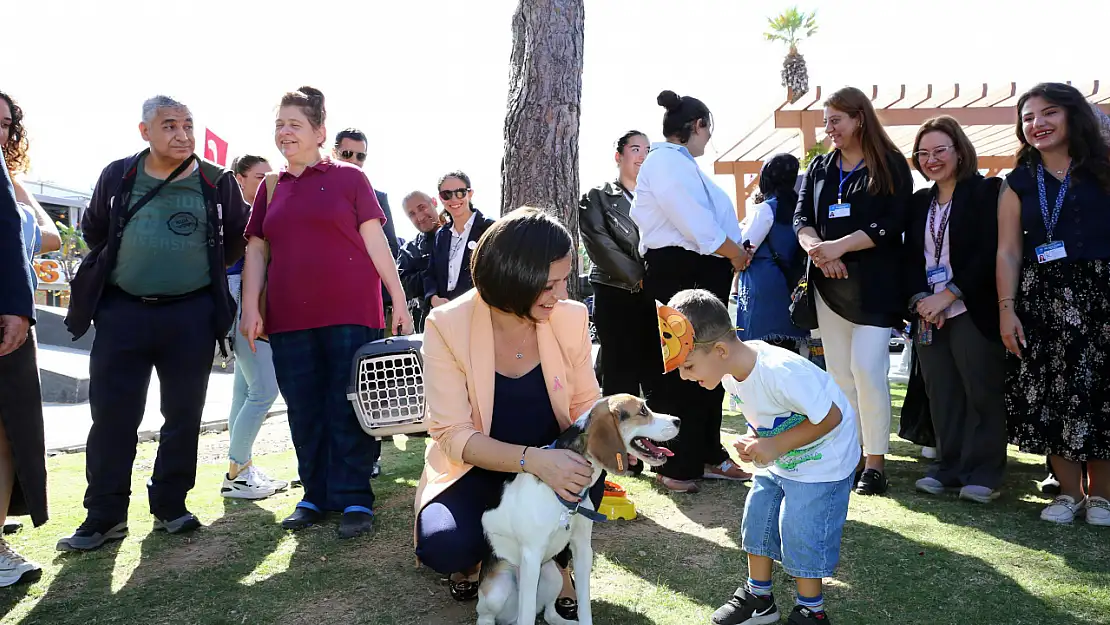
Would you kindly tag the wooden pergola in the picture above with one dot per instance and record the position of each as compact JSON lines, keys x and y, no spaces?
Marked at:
{"x":987,"y":114}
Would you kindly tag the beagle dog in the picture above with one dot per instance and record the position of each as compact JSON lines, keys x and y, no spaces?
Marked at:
{"x":532,"y":524}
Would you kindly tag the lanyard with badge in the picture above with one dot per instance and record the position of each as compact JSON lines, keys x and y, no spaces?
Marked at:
{"x":938,"y":273}
{"x":1052,"y":250}
{"x":842,"y":208}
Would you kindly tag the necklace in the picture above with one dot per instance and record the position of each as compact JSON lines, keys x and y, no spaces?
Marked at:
{"x":520,"y":350}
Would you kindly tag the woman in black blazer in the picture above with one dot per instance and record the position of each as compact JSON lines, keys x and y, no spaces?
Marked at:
{"x":951,"y":242}
{"x":449,"y":268}
{"x":850,"y":219}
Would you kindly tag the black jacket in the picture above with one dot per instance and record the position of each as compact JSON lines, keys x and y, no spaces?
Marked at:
{"x":435,"y":282}
{"x":100,"y":225}
{"x":413,"y":264}
{"x":17,"y":295}
{"x":391,"y":237}
{"x":611,"y":238}
{"x":872,"y":293}
{"x":973,"y":241}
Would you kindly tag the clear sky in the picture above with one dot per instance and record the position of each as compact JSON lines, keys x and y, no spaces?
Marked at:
{"x":427,"y":79}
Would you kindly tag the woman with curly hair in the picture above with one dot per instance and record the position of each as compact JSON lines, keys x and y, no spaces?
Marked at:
{"x":13,"y":140}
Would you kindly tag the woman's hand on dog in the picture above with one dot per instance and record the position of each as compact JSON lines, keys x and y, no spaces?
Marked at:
{"x":567,"y":473}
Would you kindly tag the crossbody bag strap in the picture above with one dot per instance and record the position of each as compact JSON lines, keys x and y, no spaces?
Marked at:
{"x":149,"y":195}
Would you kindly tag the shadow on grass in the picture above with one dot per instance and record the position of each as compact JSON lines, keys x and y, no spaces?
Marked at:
{"x":605,"y":612}
{"x":12,"y":595}
{"x":948,"y":588}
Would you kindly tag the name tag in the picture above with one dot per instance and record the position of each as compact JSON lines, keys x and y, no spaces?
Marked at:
{"x":1051,"y":251}
{"x":840,"y":210}
{"x":936,"y":275}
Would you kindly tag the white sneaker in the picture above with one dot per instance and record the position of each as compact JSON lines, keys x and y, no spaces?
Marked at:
{"x":1098,"y":511}
{"x":14,"y":568}
{"x":1064,"y":509}
{"x":929,"y":453}
{"x":249,"y":484}
{"x":279,"y":485}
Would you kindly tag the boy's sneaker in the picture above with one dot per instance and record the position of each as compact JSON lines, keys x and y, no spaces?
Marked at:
{"x":744,"y":608}
{"x":182,"y":524}
{"x":872,"y":482}
{"x":805,"y":616}
{"x":14,"y":568}
{"x":1063,"y":509}
{"x":92,"y":534}
{"x":1098,"y":511}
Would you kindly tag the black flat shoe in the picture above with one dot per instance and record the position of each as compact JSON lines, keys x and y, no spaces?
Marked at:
{"x":302,"y":518}
{"x":567,"y":608}
{"x":872,"y":482}
{"x":354,"y":524}
{"x":464,"y":590}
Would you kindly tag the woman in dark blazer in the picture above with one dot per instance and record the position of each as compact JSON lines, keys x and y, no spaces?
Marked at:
{"x":951,"y":242}
{"x":850,"y":219}
{"x":454,"y":241}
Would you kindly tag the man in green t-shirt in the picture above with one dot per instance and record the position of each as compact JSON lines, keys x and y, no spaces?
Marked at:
{"x":162,"y":226}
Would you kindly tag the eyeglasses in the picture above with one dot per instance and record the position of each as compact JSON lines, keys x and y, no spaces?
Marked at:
{"x":458,"y":193}
{"x":937,"y":153}
{"x":359,"y":156}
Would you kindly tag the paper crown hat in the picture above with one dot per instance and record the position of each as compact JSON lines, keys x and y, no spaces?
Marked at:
{"x":676,"y":336}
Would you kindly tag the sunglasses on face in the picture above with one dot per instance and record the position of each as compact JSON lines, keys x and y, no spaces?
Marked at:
{"x":458,"y":193}
{"x":359,"y":156}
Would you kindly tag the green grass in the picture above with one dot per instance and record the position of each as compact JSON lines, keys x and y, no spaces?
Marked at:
{"x":907,"y":558}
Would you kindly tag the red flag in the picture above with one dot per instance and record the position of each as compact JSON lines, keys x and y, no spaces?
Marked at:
{"x":215,"y":148}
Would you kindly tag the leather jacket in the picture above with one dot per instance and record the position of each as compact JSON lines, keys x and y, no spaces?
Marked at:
{"x":611,"y":237}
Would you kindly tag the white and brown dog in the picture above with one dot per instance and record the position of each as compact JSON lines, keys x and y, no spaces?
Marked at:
{"x":532,"y":524}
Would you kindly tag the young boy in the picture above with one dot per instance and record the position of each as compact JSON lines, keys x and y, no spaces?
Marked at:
{"x":803,"y":434}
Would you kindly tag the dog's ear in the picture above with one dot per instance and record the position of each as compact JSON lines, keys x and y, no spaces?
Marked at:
{"x":604,"y":441}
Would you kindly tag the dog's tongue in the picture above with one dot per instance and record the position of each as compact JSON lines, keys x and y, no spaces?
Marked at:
{"x":657,"y":449}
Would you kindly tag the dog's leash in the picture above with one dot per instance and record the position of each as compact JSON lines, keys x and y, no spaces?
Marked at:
{"x":575,"y":507}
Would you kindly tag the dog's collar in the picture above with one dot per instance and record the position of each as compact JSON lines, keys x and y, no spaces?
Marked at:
{"x":576,"y":507}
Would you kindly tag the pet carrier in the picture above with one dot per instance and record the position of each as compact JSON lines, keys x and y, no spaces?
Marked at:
{"x":387,"y":386}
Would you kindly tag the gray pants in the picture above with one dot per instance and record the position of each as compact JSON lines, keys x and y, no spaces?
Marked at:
{"x":964,"y":375}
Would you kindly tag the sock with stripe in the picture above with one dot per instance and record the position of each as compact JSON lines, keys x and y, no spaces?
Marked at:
{"x":759,"y":588}
{"x":816,"y":604}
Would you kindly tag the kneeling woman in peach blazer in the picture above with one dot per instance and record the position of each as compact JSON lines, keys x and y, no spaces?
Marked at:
{"x":507,"y":368}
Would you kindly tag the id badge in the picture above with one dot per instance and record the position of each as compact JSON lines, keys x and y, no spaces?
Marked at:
{"x":1051,"y":251}
{"x":937,"y":275}
{"x":843,"y":209}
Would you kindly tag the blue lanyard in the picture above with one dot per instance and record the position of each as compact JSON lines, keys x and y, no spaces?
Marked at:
{"x":1050,"y":220}
{"x":840,"y":189}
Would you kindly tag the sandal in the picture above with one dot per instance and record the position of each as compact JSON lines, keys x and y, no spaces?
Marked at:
{"x":677,"y":486}
{"x":463,"y":590}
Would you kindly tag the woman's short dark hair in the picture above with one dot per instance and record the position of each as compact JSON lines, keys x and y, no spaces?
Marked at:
{"x":242,"y":164}
{"x":683,"y":114}
{"x":967,"y":160}
{"x":512,"y":263}
{"x":1089,"y":153}
{"x":622,"y":143}
{"x":461,"y":176}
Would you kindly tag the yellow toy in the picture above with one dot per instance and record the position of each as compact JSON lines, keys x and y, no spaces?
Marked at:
{"x":615,"y":503}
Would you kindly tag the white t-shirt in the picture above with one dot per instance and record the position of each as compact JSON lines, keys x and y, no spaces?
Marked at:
{"x":783,"y":390}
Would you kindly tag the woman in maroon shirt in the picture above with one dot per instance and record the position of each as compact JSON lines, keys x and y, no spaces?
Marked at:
{"x":319,"y":247}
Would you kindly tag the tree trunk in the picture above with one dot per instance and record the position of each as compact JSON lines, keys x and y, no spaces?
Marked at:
{"x":540,"y":164}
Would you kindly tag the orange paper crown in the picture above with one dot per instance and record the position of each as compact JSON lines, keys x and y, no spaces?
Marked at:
{"x":676,"y":336}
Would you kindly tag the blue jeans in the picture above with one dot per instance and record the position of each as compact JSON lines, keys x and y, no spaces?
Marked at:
{"x":796,"y":523}
{"x":255,"y":388}
{"x":334,"y":455}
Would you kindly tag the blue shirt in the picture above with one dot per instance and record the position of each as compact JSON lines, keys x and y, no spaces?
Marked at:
{"x":1084,"y":224}
{"x":32,"y":238}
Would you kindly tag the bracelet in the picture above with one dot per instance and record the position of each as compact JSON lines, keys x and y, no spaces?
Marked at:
{"x":1005,"y":299}
{"x":522,"y":454}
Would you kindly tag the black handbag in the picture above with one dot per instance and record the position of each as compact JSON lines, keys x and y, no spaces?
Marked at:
{"x":803,"y":305}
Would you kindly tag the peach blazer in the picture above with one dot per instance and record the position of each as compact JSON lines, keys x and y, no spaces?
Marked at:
{"x":459,"y":378}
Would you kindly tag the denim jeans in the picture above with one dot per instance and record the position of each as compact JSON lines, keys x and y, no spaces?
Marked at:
{"x":255,"y":388}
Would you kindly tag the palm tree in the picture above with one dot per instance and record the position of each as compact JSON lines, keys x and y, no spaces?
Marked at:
{"x":791,"y":27}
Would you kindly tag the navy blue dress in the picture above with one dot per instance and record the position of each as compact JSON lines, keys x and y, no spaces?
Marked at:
{"x":763,"y":302}
{"x":449,"y":537}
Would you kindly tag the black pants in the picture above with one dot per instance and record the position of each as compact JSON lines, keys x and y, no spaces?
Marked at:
{"x":670,"y":270}
{"x":21,"y":414}
{"x":628,"y":331}
{"x":964,"y":374}
{"x":132,"y":339}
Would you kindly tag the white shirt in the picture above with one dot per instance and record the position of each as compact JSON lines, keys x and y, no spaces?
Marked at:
{"x":457,"y":251}
{"x":677,"y":204}
{"x":784,"y":389}
{"x":757,"y":224}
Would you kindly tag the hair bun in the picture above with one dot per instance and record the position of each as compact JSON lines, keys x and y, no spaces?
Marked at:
{"x":314,"y":94}
{"x":669,"y":100}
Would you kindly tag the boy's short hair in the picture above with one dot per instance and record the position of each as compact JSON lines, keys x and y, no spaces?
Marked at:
{"x":707,"y":315}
